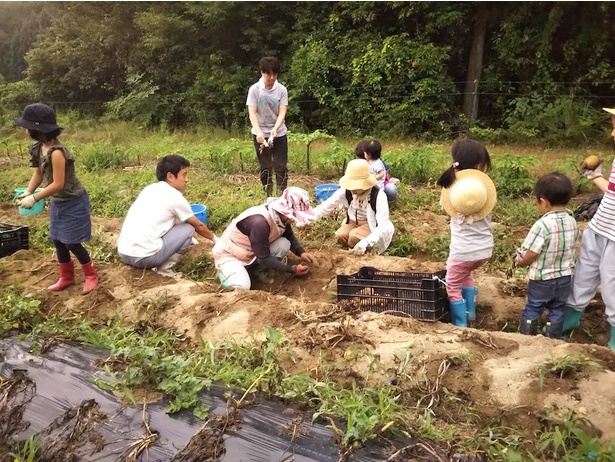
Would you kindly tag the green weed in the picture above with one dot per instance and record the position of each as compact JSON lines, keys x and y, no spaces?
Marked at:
{"x":28,"y":450}
{"x":20,"y":311}
{"x":437,"y":246}
{"x":402,"y":246}
{"x":511,"y":175}
{"x":566,"y":438}
{"x":102,"y":155}
{"x":567,"y":367}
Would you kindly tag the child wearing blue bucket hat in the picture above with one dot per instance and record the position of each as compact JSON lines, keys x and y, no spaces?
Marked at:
{"x":161,"y":222}
{"x":69,"y":210}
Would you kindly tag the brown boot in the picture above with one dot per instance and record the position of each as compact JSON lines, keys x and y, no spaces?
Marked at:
{"x":91,"y":278}
{"x":67,"y":277}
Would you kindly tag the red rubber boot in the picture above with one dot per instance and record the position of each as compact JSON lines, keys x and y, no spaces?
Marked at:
{"x":91,"y":278}
{"x":67,"y":277}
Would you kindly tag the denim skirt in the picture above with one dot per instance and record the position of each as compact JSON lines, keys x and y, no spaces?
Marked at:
{"x":69,"y":221}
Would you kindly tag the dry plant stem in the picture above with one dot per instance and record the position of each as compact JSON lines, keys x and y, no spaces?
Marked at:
{"x":253,"y":384}
{"x":43,"y":278}
{"x":424,"y":446}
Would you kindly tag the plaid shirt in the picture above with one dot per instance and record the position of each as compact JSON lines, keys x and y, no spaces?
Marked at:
{"x":553,"y":237}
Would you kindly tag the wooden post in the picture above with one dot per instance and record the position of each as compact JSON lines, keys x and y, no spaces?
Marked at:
{"x":475,"y":65}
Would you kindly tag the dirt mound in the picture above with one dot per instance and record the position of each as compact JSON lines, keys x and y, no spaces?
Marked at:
{"x":489,"y":366}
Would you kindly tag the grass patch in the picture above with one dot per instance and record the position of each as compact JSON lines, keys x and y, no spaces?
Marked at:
{"x":567,"y":367}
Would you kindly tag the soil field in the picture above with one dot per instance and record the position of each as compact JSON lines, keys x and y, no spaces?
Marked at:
{"x":489,"y":371}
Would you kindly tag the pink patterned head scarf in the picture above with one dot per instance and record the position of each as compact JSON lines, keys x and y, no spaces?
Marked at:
{"x":294,"y":203}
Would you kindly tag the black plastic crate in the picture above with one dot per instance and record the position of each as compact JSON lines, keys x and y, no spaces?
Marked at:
{"x":13,"y":238}
{"x":419,"y":295}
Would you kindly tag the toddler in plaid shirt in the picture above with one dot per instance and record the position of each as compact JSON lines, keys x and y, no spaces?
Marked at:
{"x":548,"y":249}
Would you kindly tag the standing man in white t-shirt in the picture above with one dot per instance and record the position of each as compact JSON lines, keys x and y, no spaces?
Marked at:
{"x":267,"y":105}
{"x":160,"y":223}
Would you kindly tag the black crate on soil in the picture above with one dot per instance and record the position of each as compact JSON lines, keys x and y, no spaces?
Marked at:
{"x":419,"y":295}
{"x":13,"y":238}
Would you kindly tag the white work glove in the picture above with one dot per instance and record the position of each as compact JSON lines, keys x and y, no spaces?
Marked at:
{"x":360,"y":248}
{"x":24,"y":194}
{"x":27,"y":202}
{"x":593,"y":174}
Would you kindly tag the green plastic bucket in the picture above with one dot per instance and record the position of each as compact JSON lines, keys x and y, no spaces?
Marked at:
{"x":38,"y":207}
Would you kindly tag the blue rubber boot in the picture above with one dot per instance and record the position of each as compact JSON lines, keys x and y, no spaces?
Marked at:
{"x":529,"y":326}
{"x":553,"y":330}
{"x":611,"y":343}
{"x":459,"y":316}
{"x":572,"y":319}
{"x":469,"y":295}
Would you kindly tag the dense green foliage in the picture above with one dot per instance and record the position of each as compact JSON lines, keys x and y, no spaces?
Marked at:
{"x":370,"y":68}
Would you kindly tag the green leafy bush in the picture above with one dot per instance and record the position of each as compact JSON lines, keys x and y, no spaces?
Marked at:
{"x":101,"y":156}
{"x":511,"y":175}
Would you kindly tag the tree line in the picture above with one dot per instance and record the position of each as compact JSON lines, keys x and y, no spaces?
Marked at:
{"x":502,"y":70}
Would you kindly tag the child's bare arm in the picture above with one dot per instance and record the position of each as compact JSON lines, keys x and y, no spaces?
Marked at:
{"x":527,"y":259}
{"x":379,"y":175}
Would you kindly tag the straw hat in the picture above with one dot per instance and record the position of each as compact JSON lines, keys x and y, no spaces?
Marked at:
{"x":609,"y":110}
{"x":357,"y":176}
{"x":471,"y":197}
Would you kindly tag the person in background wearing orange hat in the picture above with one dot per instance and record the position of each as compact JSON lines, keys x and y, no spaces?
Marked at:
{"x":596,"y":263}
{"x":367,"y":225}
{"x":70,"y":224}
{"x":468,"y":196}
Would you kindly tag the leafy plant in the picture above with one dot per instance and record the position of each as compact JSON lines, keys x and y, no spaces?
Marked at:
{"x":567,"y":366}
{"x":101,"y":155}
{"x":511,"y":175}
{"x":20,"y":310}
{"x":307,"y":139}
{"x":28,"y":450}
{"x":566,"y":438}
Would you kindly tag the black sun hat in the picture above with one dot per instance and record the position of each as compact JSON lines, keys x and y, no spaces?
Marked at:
{"x":38,"y":116}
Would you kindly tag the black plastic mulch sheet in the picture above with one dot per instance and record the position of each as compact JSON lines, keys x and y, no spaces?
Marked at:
{"x":52,"y":396}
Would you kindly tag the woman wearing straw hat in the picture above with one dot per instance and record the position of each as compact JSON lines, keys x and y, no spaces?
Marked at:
{"x":367,"y":224}
{"x":260,"y":237}
{"x":468,"y":196}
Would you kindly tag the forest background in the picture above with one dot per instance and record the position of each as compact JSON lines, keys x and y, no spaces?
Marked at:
{"x":523,"y":72}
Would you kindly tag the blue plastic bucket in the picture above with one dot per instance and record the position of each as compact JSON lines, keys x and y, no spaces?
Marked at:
{"x":325,"y":191}
{"x":200,"y":211}
{"x":38,"y":207}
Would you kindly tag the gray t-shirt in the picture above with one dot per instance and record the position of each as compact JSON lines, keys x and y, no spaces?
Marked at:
{"x":267,"y":103}
{"x":471,"y":242}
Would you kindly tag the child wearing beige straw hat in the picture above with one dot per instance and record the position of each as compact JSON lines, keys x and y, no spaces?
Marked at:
{"x":468,"y":196}
{"x":596,"y":264}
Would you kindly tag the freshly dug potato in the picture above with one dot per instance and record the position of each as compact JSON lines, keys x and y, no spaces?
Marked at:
{"x":590,"y":163}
